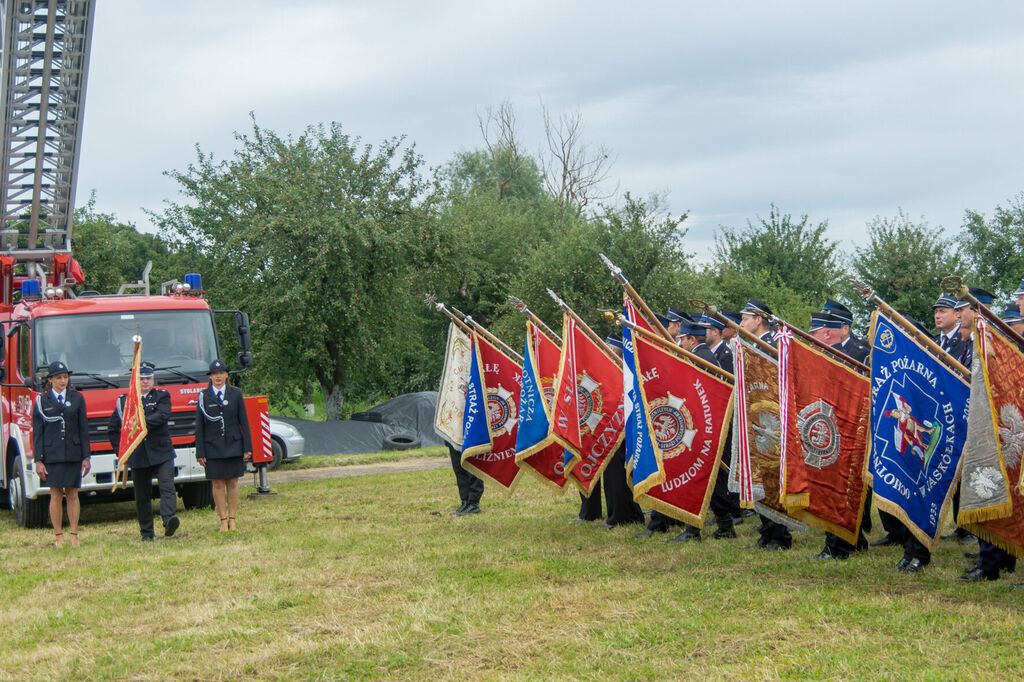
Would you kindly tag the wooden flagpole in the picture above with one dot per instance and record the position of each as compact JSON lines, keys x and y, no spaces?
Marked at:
{"x":678,"y":351}
{"x":547,"y":331}
{"x":955,"y":285}
{"x":755,"y":340}
{"x":637,"y":298}
{"x":944,"y":357}
{"x":834,"y":352}
{"x":586,"y":329}
{"x":468,"y":325}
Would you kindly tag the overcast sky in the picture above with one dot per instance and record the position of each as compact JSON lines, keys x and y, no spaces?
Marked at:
{"x":840,"y":111}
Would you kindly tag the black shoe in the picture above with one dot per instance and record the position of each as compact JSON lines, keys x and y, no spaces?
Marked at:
{"x":914,"y":566}
{"x":825,"y":555}
{"x":885,"y":541}
{"x":471,"y":508}
{"x":902,"y":563}
{"x":146,"y":538}
{"x":605,"y":526}
{"x":970,"y":555}
{"x":1019,"y":586}
{"x":458,"y":512}
{"x":976,"y":575}
{"x":578,"y":519}
{"x":721,"y":534}
{"x":685,"y":536}
{"x":737,"y":520}
{"x":762,"y":543}
{"x":760,"y":528}
{"x":862,"y":544}
{"x":171,"y":526}
{"x":645,"y":533}
{"x":968,"y":539}
{"x":747,"y":512}
{"x":775,"y":546}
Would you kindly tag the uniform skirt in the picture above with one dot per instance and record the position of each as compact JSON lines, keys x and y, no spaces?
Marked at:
{"x":229,"y":467}
{"x":64,"y":475}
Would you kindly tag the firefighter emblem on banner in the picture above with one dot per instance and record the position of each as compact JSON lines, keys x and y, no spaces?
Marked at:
{"x":501,"y":410}
{"x":589,"y":403}
{"x":819,"y":434}
{"x":672,"y":424}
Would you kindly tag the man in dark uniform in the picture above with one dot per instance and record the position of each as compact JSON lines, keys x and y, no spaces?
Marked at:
{"x":618,"y":498}
{"x":1012,"y":317}
{"x":948,"y":324}
{"x":676,"y":317}
{"x":991,"y":558}
{"x":725,"y":359}
{"x":848,"y":343}
{"x":754,"y":318}
{"x":691,"y":338}
{"x":471,"y":488}
{"x":153,"y":458}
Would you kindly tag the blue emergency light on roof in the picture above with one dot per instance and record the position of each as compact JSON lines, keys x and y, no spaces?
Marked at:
{"x":194,"y":281}
{"x":30,"y":288}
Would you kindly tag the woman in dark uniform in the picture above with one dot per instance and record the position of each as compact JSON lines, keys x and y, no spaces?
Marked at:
{"x":223,"y":444}
{"x":60,"y":442}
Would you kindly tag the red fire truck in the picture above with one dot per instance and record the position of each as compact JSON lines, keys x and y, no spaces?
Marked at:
{"x":43,"y":72}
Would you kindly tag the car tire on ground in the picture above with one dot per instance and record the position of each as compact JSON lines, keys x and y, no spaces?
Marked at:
{"x":277,"y":449}
{"x":197,"y":495}
{"x":27,"y":513}
{"x":401,"y":441}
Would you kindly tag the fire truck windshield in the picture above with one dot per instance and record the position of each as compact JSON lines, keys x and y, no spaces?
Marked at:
{"x":97,"y":347}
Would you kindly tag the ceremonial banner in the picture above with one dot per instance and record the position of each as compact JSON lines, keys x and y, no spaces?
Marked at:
{"x":451,"y":396}
{"x":536,"y":451}
{"x":687,"y":416}
{"x":644,"y":467}
{"x":491,"y":414}
{"x":133,"y":417}
{"x":587,"y":417}
{"x":757,"y":432}
{"x":918,"y":428}
{"x":991,"y":504}
{"x":824,"y":409}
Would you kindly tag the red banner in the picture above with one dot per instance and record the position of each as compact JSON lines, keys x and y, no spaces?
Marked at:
{"x":825,"y":413}
{"x":501,"y":378}
{"x":588,"y":418}
{"x":688,"y":411}
{"x":133,"y":418}
{"x":546,"y":460}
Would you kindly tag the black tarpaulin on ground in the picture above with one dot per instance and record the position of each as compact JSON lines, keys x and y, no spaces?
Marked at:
{"x":410,"y":416}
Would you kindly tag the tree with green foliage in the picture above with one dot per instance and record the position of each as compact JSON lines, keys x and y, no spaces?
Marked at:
{"x":791,"y":265}
{"x":992,"y":250}
{"x":319,"y":238}
{"x":904,"y":262}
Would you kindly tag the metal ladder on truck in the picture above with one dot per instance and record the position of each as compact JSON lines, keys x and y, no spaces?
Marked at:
{"x":45,"y":66}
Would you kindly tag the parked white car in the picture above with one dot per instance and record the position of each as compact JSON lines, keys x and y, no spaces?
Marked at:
{"x":287,"y":442}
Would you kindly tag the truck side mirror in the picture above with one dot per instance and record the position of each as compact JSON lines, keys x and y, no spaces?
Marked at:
{"x":244,"y":360}
{"x":242,"y":331}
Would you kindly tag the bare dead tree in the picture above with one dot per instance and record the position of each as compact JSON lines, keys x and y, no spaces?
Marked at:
{"x":498,"y":127}
{"x":574,"y":170}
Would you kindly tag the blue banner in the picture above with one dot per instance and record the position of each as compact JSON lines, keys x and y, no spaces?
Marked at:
{"x":918,"y":425}
{"x":475,"y":431}
{"x":533,"y":419}
{"x":639,"y":449}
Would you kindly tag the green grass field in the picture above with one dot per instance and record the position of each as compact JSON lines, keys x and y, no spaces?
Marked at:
{"x":369,"y":577}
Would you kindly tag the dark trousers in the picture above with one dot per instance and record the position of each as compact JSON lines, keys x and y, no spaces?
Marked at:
{"x":840,"y":547}
{"x":770,"y":530}
{"x":618,"y":498}
{"x":590,"y":507}
{"x":724,"y":505}
{"x":142,"y":479}
{"x":471,"y":488}
{"x":894,"y":528}
{"x":992,"y":558}
{"x":660,"y":523}
{"x":912,"y":549}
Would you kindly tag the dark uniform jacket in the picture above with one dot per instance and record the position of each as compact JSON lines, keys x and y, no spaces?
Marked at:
{"x":769,"y":338}
{"x":222,"y":429}
{"x":855,"y":348}
{"x":156,"y":447}
{"x":724,"y":356}
{"x":60,"y":435}
{"x":956,"y":343}
{"x":702,"y":351}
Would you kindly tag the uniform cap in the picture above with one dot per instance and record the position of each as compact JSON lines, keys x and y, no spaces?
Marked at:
{"x":756,"y":307}
{"x":56,"y":368}
{"x":217,"y":365}
{"x":839,"y":311}
{"x":147,"y":369}
{"x":944,"y":301}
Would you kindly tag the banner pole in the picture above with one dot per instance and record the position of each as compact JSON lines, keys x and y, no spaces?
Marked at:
{"x":944,"y":357}
{"x":755,"y":340}
{"x":678,"y":351}
{"x":955,"y":285}
{"x":521,"y":307}
{"x":838,"y":354}
{"x":586,"y":329}
{"x":637,"y":298}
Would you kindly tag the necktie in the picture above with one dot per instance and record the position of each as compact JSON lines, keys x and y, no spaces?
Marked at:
{"x":945,"y":342}
{"x":60,"y":401}
{"x":220,"y":397}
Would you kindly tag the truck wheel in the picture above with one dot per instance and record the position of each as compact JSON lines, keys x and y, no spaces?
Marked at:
{"x":27,"y":513}
{"x":277,"y":450}
{"x":198,"y":495}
